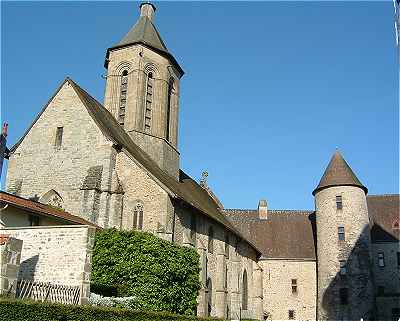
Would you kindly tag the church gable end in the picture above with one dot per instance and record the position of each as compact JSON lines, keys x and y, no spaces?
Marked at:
{"x":64,"y":145}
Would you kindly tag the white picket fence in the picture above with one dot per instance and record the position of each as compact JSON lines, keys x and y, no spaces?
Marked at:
{"x":41,"y":291}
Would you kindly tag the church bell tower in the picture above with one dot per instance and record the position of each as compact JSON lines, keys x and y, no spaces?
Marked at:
{"x":142,"y":90}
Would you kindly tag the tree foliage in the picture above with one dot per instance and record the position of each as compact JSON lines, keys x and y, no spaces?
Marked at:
{"x":162,"y":275}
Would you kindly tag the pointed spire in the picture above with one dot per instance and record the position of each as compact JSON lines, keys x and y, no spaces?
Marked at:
{"x":338,"y":173}
{"x":145,"y":32}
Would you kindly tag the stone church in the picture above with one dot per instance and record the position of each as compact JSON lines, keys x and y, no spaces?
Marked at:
{"x":117,"y":165}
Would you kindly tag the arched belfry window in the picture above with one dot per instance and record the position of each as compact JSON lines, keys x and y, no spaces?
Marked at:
{"x":149,"y":102}
{"x":138,"y":217}
{"x":169,"y":102}
{"x":245,"y":292}
{"x":122,"y":98}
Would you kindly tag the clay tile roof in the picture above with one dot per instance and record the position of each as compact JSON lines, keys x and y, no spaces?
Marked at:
{"x":338,"y":173}
{"x":285,"y":234}
{"x":384,"y":212}
{"x":42,"y":209}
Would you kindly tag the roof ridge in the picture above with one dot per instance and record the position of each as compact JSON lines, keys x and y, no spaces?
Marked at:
{"x":269,"y":211}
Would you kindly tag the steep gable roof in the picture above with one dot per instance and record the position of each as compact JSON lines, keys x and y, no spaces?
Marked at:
{"x":186,"y":189}
{"x":384,"y":212}
{"x":285,"y":234}
{"x":338,"y":173}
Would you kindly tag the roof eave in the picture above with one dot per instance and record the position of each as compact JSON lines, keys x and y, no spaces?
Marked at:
{"x":161,"y":52}
{"x":320,"y":188}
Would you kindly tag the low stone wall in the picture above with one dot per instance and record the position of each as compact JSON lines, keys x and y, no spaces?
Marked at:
{"x":56,"y":254}
{"x":10,"y":255}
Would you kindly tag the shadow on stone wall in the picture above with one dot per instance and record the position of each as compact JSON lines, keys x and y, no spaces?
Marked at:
{"x":27,"y":268}
{"x":358,"y":280}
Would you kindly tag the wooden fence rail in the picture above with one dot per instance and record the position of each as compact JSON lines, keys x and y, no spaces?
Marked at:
{"x":41,"y":291}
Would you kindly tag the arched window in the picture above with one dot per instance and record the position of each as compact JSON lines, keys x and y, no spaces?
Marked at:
{"x":209,"y":297}
{"x":396,"y":225}
{"x":210,"y":239}
{"x":148,"y":102}
{"x":52,"y":198}
{"x":245,"y":293}
{"x":169,"y":102}
{"x":122,"y":98}
{"x":138,"y":217}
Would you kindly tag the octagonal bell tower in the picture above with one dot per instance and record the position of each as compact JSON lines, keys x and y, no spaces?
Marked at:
{"x":142,"y":90}
{"x":345,"y":290}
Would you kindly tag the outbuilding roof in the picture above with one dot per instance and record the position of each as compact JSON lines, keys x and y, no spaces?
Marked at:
{"x":42,"y":209}
{"x":338,"y":173}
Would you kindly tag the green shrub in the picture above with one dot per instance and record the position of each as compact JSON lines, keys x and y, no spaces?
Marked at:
{"x":162,"y":275}
{"x":21,"y":310}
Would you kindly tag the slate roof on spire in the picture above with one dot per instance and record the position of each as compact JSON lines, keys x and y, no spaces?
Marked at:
{"x":338,"y":173}
{"x":145,"y":32}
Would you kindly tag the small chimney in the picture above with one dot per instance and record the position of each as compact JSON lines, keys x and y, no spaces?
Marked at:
{"x":147,"y":9}
{"x":262,"y":209}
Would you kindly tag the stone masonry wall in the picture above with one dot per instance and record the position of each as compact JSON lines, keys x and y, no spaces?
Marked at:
{"x":278,"y":295}
{"x":387,"y":277}
{"x":10,"y":257}
{"x":138,"y":61}
{"x":354,"y":251}
{"x":140,"y":188}
{"x":237,"y":257}
{"x":56,"y":254}
{"x":83,"y":154}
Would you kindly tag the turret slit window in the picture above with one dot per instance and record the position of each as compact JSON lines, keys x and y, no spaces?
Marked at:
{"x":169,"y":102}
{"x":226,"y":277}
{"x":339,"y":202}
{"x":294,"y":286}
{"x":148,"y":102}
{"x":245,"y":293}
{"x":343,"y":269}
{"x":59,"y":137}
{"x":227,"y":245}
{"x":210,"y":239}
{"x":341,"y":234}
{"x":193,"y":229}
{"x":138,"y":217}
{"x":122,"y":98}
{"x":344,"y":296}
{"x":381,"y":259}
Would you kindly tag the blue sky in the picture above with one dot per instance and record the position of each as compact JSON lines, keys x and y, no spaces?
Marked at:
{"x":270,"y":90}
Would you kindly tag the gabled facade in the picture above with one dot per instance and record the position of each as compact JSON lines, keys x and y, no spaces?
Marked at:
{"x":117,"y":165}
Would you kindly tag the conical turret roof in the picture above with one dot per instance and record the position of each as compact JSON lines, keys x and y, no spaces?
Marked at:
{"x":338,"y":173}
